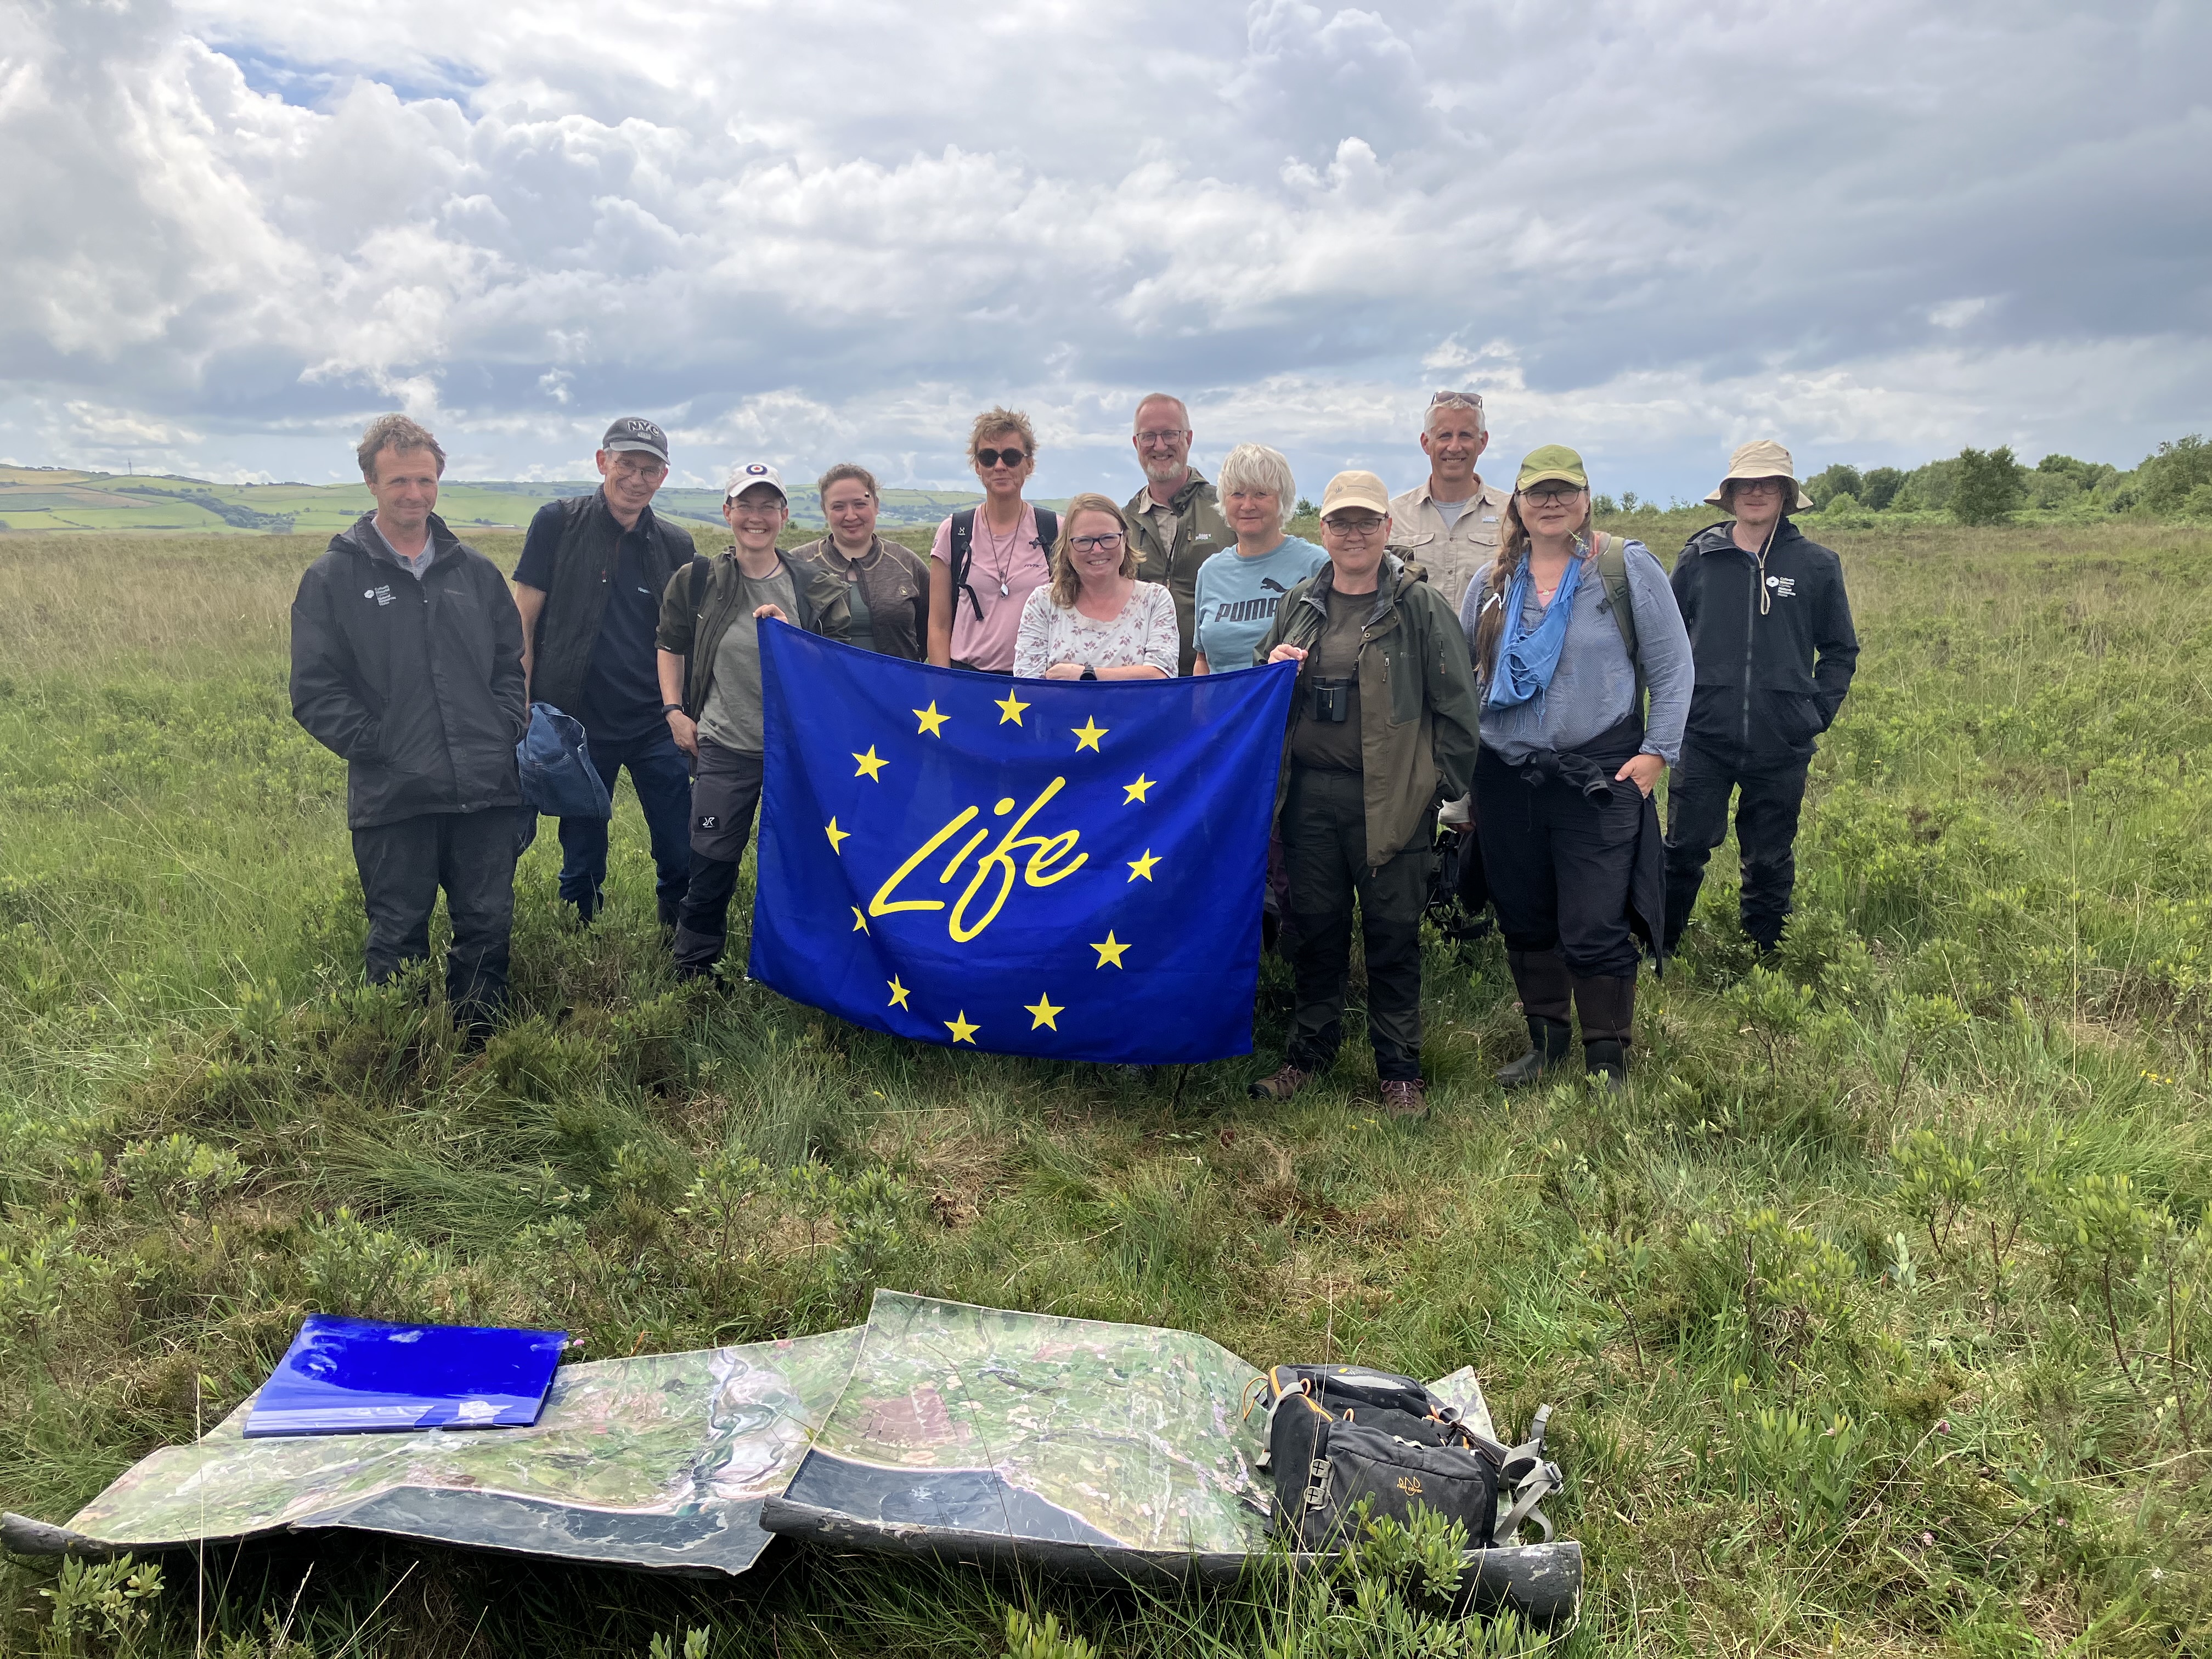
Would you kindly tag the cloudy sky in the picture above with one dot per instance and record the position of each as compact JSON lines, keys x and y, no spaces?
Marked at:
{"x":1879,"y":230}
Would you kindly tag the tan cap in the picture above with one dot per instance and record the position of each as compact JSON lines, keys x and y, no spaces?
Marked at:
{"x":1762,"y":457}
{"x":1355,"y":489}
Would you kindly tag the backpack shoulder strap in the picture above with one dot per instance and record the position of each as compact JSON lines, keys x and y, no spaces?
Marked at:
{"x":701,"y":564}
{"x":1048,"y":529}
{"x":964,"y":547}
{"x":1612,"y":570}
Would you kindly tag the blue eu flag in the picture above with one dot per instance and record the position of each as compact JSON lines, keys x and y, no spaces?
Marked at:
{"x":1068,"y":868}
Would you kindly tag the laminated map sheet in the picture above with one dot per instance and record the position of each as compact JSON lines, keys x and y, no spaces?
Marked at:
{"x":660,"y":1462}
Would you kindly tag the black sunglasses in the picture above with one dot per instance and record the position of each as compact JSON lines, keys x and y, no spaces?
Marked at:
{"x":987,"y":457}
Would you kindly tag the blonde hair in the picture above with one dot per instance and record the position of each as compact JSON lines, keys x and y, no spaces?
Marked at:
{"x":1255,"y":466}
{"x":1066,"y":580}
{"x":992,"y":421}
{"x":1512,"y":549}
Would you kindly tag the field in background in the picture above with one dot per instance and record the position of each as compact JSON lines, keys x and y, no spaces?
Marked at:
{"x":1876,"y":1311}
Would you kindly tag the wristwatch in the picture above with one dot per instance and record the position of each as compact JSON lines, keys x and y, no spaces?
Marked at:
{"x":1088,"y":672}
{"x":672,"y":708}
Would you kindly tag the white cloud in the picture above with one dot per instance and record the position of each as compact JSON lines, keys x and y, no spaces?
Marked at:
{"x":239,"y":227}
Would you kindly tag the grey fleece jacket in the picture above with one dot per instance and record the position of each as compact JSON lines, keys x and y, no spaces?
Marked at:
{"x":1594,"y":687}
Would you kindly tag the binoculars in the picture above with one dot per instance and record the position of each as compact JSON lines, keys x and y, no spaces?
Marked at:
{"x":1332,"y":700}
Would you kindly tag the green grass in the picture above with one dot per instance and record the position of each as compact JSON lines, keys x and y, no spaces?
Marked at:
{"x":1829,"y":1301}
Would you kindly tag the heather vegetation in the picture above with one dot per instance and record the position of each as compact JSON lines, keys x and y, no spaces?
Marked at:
{"x":1877,"y":1311}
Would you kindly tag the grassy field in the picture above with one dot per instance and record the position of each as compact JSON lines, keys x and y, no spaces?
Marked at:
{"x":1876,"y":1311}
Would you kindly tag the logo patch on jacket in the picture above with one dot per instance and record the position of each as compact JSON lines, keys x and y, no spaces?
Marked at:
{"x":1785,"y":587}
{"x":709,"y":821}
{"x":381,"y":595}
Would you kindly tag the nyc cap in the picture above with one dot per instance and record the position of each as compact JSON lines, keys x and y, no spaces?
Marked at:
{"x":745,"y":474}
{"x":1355,"y":489}
{"x":634,"y":432}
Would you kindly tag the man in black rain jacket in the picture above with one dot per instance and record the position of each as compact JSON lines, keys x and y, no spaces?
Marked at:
{"x":407,"y":664}
{"x":1771,"y":641}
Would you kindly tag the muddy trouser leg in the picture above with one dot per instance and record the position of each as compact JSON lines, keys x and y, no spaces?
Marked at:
{"x":725,"y":795}
{"x":1324,"y":827}
{"x":1391,"y":900}
{"x":476,"y":866}
{"x":398,"y":866}
{"x":1698,"y":792}
{"x":1766,"y":841}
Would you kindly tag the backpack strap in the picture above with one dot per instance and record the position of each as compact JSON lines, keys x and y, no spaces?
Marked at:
{"x":1613,"y":570}
{"x":1047,"y":530}
{"x":964,"y":549}
{"x":700,"y":565}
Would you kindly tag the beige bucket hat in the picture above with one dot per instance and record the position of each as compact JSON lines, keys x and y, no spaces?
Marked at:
{"x":1762,"y":457}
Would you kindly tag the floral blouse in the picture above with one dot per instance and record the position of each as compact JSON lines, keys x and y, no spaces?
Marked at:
{"x":1145,"y":632}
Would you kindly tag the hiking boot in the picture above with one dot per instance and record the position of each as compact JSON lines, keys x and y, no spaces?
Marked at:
{"x":1405,"y":1097}
{"x":1281,"y":1086}
{"x":1550,"y":1041}
{"x":1607,"y":1059}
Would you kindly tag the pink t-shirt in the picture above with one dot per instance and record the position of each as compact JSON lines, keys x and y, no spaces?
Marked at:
{"x":1003,"y":572}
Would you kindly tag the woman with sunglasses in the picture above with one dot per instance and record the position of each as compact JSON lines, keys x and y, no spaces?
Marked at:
{"x":1569,"y":627}
{"x":990,"y":559}
{"x":1097,"y":621}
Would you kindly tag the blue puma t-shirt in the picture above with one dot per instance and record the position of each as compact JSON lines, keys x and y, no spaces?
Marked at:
{"x":1235,"y":599}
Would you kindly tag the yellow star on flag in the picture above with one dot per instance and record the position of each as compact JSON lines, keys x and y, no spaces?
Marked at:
{"x":870,"y":765}
{"x":932,"y":721}
{"x":1142,"y":866}
{"x":1109,"y":952}
{"x":1136,"y":790}
{"x":899,"y":993}
{"x":1087,"y":735}
{"x":860,"y":922}
{"x":838,"y":837}
{"x":1044,"y":1011}
{"x":961,"y":1029}
{"x":1010,"y":708}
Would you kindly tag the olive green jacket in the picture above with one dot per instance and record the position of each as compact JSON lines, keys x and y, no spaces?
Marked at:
{"x":1417,"y":699}
{"x":1200,"y":532}
{"x":695,"y":632}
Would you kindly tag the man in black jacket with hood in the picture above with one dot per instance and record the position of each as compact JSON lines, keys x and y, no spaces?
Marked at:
{"x":407,"y":664}
{"x":1771,"y":641}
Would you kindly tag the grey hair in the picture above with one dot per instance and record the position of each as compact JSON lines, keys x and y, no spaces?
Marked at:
{"x":1182,"y":409}
{"x":1255,"y":466}
{"x":1457,"y":400}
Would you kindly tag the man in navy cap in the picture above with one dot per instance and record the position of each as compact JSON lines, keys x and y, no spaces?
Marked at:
{"x":594,"y":568}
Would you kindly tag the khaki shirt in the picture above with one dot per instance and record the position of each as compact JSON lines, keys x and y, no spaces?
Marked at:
{"x":1450,"y":556}
{"x":1197,"y":531}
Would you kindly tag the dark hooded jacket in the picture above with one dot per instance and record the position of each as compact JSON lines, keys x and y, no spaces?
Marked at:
{"x":415,"y":685}
{"x":1768,"y":683}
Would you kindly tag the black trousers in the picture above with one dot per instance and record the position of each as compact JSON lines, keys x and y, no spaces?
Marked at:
{"x":1324,"y":830}
{"x":471,"y":856}
{"x":726,"y":794}
{"x":1767,"y":806}
{"x":1559,"y":864}
{"x":662,"y":777}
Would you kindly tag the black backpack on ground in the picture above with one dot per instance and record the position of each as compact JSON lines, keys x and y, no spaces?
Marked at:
{"x":964,"y":549}
{"x":1337,"y":1434}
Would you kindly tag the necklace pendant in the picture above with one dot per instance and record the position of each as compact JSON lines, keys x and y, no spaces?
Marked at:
{"x":1005,"y":590}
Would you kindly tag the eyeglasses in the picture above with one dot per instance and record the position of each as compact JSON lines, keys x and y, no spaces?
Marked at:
{"x":1756,"y":486}
{"x":650,"y":467}
{"x":1552,"y":495}
{"x":1474,"y":398}
{"x":738,"y":504}
{"x":1365,"y":524}
{"x":1167,"y":436}
{"x":1109,"y":543}
{"x":987,"y":459}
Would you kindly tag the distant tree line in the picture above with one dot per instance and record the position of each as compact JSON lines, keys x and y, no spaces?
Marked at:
{"x":1977,"y":486}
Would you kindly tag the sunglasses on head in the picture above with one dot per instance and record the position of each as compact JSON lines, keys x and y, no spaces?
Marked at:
{"x":990,"y":457}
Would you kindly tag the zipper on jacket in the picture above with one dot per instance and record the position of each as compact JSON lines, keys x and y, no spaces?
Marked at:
{"x":1750,"y":621}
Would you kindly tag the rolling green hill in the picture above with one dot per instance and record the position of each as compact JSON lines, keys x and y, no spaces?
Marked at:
{"x":55,"y":499}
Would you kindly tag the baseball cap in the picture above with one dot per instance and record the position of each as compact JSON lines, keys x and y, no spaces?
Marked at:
{"x":745,"y":474}
{"x":1355,"y":489}
{"x":1553,"y":463}
{"x":635,"y":431}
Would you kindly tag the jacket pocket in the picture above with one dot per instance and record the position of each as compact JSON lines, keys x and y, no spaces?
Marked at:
{"x":1402,"y":673}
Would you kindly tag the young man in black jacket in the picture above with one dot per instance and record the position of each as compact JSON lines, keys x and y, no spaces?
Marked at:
{"x":407,"y":664}
{"x":1772,"y":640}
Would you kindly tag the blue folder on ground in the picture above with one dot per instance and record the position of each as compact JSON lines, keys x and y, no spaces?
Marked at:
{"x":363,"y":1376}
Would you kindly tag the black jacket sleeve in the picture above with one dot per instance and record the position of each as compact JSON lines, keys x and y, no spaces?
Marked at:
{"x":1685,"y":588}
{"x":327,"y":696}
{"x":509,"y":689}
{"x":1837,"y":643}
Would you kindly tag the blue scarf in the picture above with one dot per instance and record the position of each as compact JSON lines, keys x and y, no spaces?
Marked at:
{"x":1526,"y":659}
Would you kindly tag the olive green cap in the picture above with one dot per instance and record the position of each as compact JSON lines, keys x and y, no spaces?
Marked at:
{"x":1553,"y":461}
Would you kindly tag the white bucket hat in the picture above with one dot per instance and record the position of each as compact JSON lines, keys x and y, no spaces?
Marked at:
{"x":1762,"y":457}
